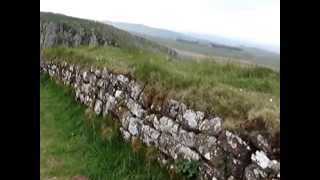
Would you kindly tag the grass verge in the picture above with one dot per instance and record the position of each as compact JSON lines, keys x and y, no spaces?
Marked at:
{"x":76,"y":142}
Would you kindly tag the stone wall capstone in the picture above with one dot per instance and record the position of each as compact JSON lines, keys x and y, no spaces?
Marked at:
{"x":177,"y":131}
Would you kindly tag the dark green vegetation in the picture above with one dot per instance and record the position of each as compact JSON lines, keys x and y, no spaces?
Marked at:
{"x":76,"y":142}
{"x":202,"y":47}
{"x":189,"y":169}
{"x":247,"y":97}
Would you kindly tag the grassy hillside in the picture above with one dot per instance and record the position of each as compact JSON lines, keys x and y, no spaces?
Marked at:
{"x":252,"y":55}
{"x":247,"y":97}
{"x":169,"y":38}
{"x":75,"y":142}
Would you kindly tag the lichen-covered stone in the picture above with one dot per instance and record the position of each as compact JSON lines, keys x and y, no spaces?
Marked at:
{"x":85,"y":77}
{"x":191,"y":119}
{"x":92,"y":78}
{"x":135,"y":108}
{"x":105,"y":74}
{"x":110,"y":104}
{"x":122,"y":79}
{"x":182,"y":111}
{"x":88,"y":100}
{"x":234,"y":144}
{"x":166,"y":124}
{"x":97,"y":72}
{"x":98,"y":107}
{"x":85,"y":88}
{"x":260,"y":142}
{"x":253,"y":172}
{"x":166,"y":144}
{"x":186,"y":138}
{"x":172,"y":108}
{"x":134,"y":126}
{"x":150,"y":118}
{"x":149,"y":135}
{"x":135,"y":90}
{"x":212,"y":126}
{"x":124,"y":119}
{"x":101,"y":95}
{"x":100,"y":83}
{"x":261,"y":159}
{"x":125,"y":134}
{"x":118,"y":93}
{"x":185,"y":152}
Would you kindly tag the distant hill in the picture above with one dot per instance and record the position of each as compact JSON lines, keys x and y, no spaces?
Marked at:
{"x":150,"y":31}
{"x":234,"y":42}
{"x":202,"y":45}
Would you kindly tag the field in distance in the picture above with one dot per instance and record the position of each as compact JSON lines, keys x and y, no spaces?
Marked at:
{"x":197,"y":45}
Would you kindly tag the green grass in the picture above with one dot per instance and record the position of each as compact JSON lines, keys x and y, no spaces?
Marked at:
{"x":239,"y":93}
{"x":76,"y":142}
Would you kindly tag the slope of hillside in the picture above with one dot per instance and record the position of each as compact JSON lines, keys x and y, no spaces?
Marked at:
{"x":205,"y":45}
{"x":246,"y":96}
{"x":57,"y":29}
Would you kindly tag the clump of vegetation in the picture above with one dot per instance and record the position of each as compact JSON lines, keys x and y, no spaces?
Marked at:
{"x":238,"y":93}
{"x":188,"y":168}
{"x":151,"y":154}
{"x":136,"y":145}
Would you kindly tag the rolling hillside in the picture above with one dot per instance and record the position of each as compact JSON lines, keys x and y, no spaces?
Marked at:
{"x":202,"y":46}
{"x":150,"y":31}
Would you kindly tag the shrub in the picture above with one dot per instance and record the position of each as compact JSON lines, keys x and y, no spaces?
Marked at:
{"x":188,"y":168}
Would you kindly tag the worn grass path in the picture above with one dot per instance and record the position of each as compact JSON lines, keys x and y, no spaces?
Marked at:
{"x":71,"y":144}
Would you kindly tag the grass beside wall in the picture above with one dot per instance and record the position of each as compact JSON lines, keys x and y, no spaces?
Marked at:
{"x":75,"y":142}
{"x":247,"y":97}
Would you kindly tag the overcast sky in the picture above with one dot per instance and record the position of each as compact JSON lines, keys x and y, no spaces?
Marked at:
{"x":253,"y":20}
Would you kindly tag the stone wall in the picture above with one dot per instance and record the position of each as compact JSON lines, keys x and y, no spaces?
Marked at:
{"x":170,"y":126}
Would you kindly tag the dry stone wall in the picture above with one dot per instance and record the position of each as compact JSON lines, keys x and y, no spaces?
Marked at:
{"x":177,"y":131}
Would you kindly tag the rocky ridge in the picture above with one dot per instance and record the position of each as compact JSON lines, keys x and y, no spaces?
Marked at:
{"x":61,"y":30}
